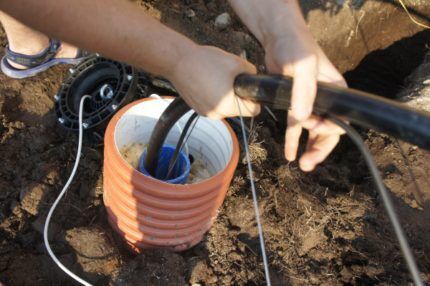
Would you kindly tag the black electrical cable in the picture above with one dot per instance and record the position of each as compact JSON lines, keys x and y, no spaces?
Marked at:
{"x":180,"y":143}
{"x":407,"y":253}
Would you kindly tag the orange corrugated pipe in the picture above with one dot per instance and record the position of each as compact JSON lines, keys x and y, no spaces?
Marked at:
{"x":148,"y":212}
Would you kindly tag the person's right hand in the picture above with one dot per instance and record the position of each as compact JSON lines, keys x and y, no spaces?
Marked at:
{"x":205,"y":78}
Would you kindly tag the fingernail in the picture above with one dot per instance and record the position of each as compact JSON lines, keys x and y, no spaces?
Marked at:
{"x":289,"y":157}
{"x":306,"y":166}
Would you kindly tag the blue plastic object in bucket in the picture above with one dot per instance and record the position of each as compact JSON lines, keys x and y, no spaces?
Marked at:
{"x":180,"y":171}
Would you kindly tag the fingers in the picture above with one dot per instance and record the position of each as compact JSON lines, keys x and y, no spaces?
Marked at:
{"x":210,"y":89}
{"x":301,"y":58}
{"x":246,"y":108}
{"x":323,"y":137}
{"x":302,"y":100}
{"x":241,"y":106}
{"x":319,"y":147}
{"x":292,"y":137}
{"x":327,"y":71}
{"x":324,"y":134}
{"x":322,"y":126}
{"x":304,"y":87}
{"x":233,"y":106}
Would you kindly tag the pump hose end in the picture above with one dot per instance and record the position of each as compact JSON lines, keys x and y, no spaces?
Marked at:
{"x":170,"y":116}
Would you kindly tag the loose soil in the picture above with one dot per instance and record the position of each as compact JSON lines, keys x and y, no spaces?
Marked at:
{"x":327,"y":227}
{"x":133,"y":152}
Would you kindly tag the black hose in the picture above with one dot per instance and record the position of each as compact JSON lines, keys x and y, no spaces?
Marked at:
{"x":170,"y":116}
{"x":361,"y":108}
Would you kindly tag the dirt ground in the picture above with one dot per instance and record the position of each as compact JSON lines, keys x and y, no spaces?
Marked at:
{"x":327,"y":227}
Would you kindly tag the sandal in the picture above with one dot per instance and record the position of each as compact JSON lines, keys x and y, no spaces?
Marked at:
{"x":36,"y":64}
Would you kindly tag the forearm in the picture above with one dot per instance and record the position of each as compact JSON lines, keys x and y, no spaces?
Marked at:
{"x":267,"y":19}
{"x":114,"y":28}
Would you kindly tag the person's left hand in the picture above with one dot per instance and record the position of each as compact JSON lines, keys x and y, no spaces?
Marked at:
{"x":291,"y":50}
{"x":296,"y":54}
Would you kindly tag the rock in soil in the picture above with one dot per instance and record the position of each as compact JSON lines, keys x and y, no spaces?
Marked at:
{"x":190,"y":13}
{"x":223,"y":21}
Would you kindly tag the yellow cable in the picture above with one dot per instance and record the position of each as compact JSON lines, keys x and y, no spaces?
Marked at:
{"x":411,"y":17}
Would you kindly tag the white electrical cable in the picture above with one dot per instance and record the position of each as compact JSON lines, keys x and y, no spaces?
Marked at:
{"x":254,"y":197}
{"x":60,"y":196}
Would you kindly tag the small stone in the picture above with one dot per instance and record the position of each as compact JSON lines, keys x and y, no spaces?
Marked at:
{"x":96,"y":202}
{"x":190,"y":13}
{"x":222,"y":21}
{"x":426,"y":82}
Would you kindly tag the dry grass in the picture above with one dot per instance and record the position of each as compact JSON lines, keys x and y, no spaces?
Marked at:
{"x":257,"y":152}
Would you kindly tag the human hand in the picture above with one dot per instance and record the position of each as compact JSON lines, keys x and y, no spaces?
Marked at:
{"x":205,"y":78}
{"x":292,"y":51}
